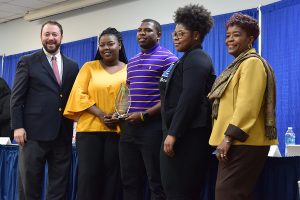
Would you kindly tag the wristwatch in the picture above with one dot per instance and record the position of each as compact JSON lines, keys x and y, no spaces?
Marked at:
{"x":146,"y":116}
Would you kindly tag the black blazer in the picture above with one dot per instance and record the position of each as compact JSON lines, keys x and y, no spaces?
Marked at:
{"x":185,"y":104}
{"x":37,"y":100}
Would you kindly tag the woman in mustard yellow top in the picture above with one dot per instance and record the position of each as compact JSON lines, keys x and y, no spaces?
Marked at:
{"x":91,"y":104}
{"x":243,"y":113}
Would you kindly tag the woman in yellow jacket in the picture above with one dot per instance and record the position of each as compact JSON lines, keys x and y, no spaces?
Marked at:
{"x":243,"y":113}
{"x":91,"y":104}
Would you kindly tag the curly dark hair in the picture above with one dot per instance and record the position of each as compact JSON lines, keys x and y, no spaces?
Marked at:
{"x":247,"y":23}
{"x":194,"y":18}
{"x":115,"y":32}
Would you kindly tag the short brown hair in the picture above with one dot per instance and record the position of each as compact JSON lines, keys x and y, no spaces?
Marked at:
{"x":247,"y":23}
{"x":53,"y":23}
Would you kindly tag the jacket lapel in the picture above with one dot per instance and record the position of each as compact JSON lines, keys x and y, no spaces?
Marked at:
{"x":178,"y":63}
{"x":170,"y":75}
{"x":65,"y":68}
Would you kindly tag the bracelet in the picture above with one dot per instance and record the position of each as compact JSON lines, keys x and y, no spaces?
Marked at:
{"x":142,"y":116}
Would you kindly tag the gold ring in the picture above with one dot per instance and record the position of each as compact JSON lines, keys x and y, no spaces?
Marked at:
{"x":222,"y":155}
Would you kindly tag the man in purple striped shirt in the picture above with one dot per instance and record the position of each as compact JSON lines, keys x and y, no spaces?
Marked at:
{"x":142,"y":130}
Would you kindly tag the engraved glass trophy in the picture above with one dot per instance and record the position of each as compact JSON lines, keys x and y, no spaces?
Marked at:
{"x":122,"y":102}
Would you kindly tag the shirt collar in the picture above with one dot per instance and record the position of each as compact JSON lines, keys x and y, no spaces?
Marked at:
{"x":49,"y":55}
{"x":153,"y":49}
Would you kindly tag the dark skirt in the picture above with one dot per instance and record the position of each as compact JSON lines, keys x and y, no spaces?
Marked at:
{"x":237,"y":177}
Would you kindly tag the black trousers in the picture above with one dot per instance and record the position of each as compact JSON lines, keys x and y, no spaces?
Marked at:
{"x":139,"y":155}
{"x":98,"y":166}
{"x":183,"y":175}
{"x":32,"y":159}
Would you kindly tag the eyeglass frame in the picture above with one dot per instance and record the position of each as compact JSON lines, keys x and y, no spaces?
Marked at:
{"x":178,"y":34}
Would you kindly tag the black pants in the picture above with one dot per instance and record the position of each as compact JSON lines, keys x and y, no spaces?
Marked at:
{"x":32,"y":160}
{"x":98,"y":166}
{"x":184,"y":174}
{"x":139,"y":153}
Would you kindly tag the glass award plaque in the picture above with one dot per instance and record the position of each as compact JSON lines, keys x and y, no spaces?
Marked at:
{"x":122,"y":102}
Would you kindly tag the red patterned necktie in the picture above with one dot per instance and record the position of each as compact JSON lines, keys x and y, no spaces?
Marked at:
{"x":55,"y":69}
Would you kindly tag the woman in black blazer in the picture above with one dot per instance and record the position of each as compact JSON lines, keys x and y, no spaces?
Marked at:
{"x":186,"y":111}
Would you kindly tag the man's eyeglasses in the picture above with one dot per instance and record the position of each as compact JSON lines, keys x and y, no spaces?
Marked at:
{"x":178,"y":34}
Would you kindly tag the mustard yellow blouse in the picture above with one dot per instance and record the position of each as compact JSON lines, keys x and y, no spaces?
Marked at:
{"x":93,"y":86}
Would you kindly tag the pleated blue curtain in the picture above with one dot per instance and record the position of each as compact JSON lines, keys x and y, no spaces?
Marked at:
{"x":81,"y":51}
{"x":130,"y":43}
{"x":214,"y":42}
{"x":167,"y":39}
{"x":1,"y":66}
{"x":281,"y":48}
{"x":10,"y":65}
{"x":8,"y":173}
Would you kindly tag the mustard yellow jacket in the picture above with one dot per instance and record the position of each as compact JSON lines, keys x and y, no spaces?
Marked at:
{"x":241,"y":106}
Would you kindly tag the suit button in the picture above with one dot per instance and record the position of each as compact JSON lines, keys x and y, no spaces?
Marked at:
{"x":61,"y":95}
{"x":59,"y":109}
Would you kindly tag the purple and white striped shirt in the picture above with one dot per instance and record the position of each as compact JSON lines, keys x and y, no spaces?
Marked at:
{"x":143,"y":75}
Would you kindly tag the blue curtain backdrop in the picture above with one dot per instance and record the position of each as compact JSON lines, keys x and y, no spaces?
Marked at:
{"x":214,"y":42}
{"x":81,"y":51}
{"x":10,"y":64}
{"x":167,"y":39}
{"x":8,"y":172}
{"x":281,"y":48}
{"x":130,"y":43}
{"x":1,"y":66}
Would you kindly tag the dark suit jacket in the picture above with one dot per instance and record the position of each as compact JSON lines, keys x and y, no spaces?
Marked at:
{"x":37,"y":100}
{"x":185,"y":105}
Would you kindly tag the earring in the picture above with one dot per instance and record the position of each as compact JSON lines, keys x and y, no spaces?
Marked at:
{"x":250,"y":46}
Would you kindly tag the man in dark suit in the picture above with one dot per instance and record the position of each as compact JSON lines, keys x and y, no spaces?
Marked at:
{"x":41,"y":88}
